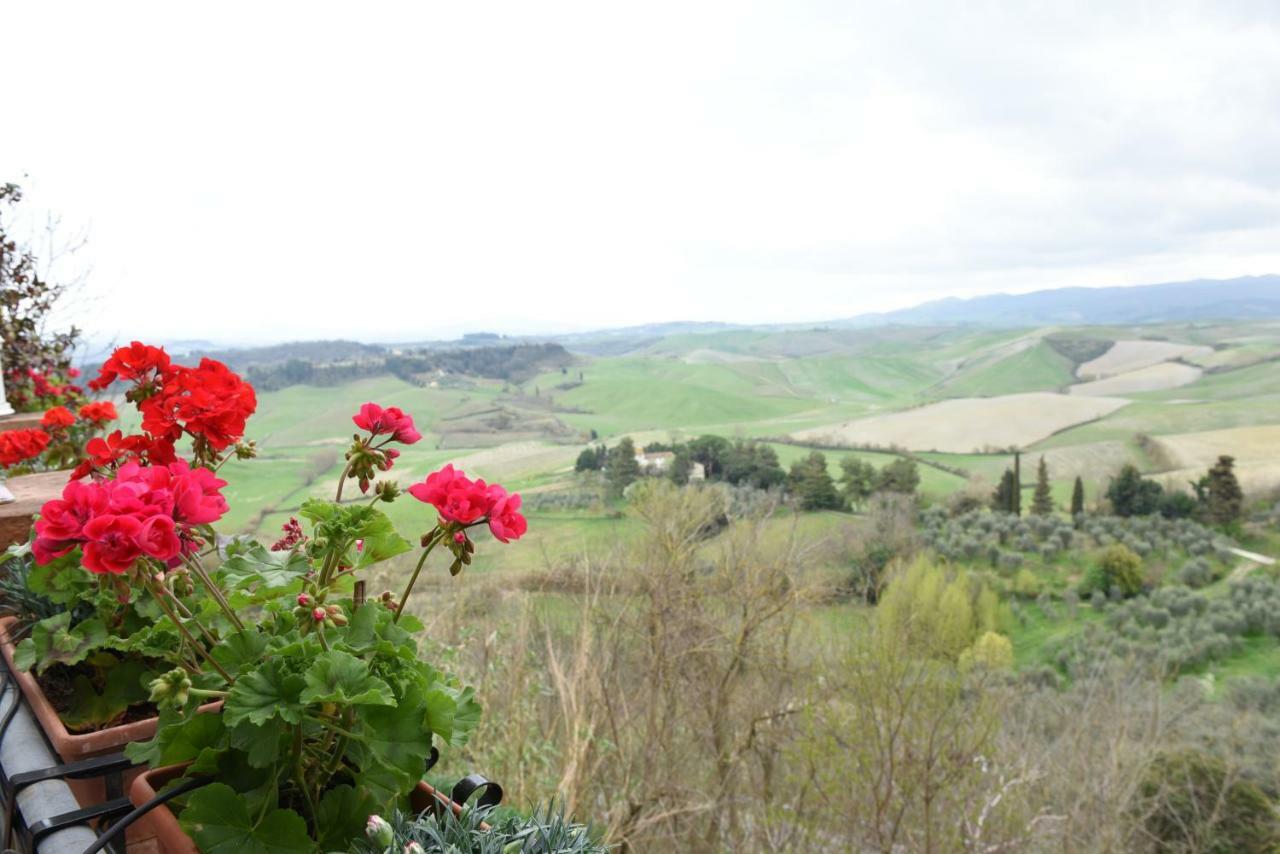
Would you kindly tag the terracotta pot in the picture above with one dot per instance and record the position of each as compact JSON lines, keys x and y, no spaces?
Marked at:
{"x":72,"y":747}
{"x":161,"y":833}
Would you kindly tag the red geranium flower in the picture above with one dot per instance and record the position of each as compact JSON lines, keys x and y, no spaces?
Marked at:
{"x":137,"y":362}
{"x":20,"y":445}
{"x":210,"y":401}
{"x":99,"y":412}
{"x":505,"y":521}
{"x":57,"y":417}
{"x":391,"y":421}
{"x":457,"y":497}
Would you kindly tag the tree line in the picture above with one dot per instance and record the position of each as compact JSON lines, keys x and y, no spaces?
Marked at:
{"x":749,"y":463}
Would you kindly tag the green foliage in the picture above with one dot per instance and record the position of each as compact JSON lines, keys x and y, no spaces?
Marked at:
{"x":1004,"y":499}
{"x":1131,"y":494}
{"x":1224,"y":499}
{"x":1077,"y":498}
{"x":1042,"y":501}
{"x":218,"y":819}
{"x":991,"y":651}
{"x":1177,"y":505}
{"x":857,"y":480}
{"x":622,"y":469}
{"x":1116,"y":567}
{"x":812,"y":485}
{"x":900,"y":476}
{"x":592,"y":458}
{"x":546,"y":831}
{"x":934,"y":612}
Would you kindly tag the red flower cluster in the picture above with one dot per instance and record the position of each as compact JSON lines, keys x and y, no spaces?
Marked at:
{"x":145,"y":511}
{"x":57,"y":418}
{"x":137,"y":363}
{"x":17,"y":446}
{"x":391,"y":421}
{"x":209,"y":402}
{"x":464,"y":501}
{"x":99,"y":412}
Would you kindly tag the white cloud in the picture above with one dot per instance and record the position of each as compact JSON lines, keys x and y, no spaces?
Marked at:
{"x":401,"y":170}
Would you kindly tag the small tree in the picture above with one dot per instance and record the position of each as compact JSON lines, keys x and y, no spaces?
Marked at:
{"x":812,"y":485}
{"x":857,"y":481}
{"x":1042,"y":502}
{"x":1016,"y":503}
{"x":1116,"y":567}
{"x":592,"y":458}
{"x":1131,"y":494}
{"x":1224,"y":499}
{"x":899,"y":476}
{"x":622,"y":468}
{"x":37,"y":363}
{"x":1077,"y":498}
{"x":1002,"y":499}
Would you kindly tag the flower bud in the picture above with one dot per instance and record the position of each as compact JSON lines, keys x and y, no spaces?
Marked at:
{"x":319,"y":614}
{"x":413,"y":848}
{"x":172,"y":688}
{"x":335,"y":615}
{"x":303,"y":600}
{"x":379,"y":831}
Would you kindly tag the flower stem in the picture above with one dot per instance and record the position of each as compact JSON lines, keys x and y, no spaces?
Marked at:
{"x":435,"y":538}
{"x":198,"y":568}
{"x":159,"y":596}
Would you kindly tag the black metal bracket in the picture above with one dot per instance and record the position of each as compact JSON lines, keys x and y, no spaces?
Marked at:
{"x":164,"y":797}
{"x":472,"y":783}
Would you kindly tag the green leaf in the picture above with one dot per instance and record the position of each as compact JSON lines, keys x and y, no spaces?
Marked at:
{"x":241,"y":649}
{"x":62,"y":580}
{"x":180,"y":739}
{"x":24,"y":655}
{"x":218,"y":819}
{"x":263,"y":694}
{"x":122,"y":687}
{"x":55,"y":642}
{"x":339,"y":677}
{"x":452,"y":713}
{"x":395,"y":737}
{"x":258,"y":570}
{"x":341,"y":817}
{"x":259,"y":742}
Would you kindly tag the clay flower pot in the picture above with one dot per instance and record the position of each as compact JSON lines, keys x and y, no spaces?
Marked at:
{"x":71,"y":747}
{"x":159,"y":831}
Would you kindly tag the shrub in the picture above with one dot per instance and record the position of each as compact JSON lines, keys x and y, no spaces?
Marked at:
{"x":1116,"y":568}
{"x":1195,"y":573}
{"x":991,"y":651}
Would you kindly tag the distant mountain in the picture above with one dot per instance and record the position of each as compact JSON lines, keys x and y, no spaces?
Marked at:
{"x":1250,"y":297}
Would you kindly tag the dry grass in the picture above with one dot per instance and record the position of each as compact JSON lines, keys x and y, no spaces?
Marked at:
{"x":967,"y":425}
{"x":1256,"y":449}
{"x":1151,"y":378}
{"x":1126,"y":356}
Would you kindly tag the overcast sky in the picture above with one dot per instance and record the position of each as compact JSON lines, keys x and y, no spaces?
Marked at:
{"x":268,"y":171}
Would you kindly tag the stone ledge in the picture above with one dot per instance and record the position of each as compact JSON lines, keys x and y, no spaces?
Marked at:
{"x":20,"y":421}
{"x":30,"y":492}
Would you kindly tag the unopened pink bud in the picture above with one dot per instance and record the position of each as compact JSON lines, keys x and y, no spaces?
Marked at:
{"x":319,"y":614}
{"x":303,"y":600}
{"x":459,"y":538}
{"x":359,"y":546}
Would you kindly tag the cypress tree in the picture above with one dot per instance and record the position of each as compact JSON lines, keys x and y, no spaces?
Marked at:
{"x":1224,"y":499}
{"x":1077,"y":498}
{"x":1016,"y":505}
{"x":1002,"y":498}
{"x":621,"y":466}
{"x":1042,"y":501}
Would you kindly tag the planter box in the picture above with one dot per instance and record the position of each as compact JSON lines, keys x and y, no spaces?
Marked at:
{"x":159,"y":831}
{"x":71,"y":747}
